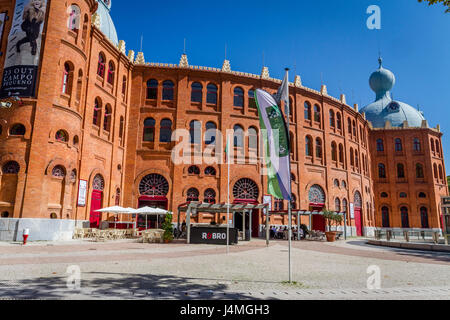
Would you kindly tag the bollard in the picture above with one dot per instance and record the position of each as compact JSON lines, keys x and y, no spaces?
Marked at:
{"x":26,"y":233}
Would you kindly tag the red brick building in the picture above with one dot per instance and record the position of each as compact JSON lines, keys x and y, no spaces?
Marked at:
{"x":103,"y":120}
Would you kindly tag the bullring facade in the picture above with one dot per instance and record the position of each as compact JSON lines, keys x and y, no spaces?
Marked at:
{"x":103,"y":120}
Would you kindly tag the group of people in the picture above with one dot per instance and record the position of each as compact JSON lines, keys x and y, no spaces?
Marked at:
{"x":282,"y":232}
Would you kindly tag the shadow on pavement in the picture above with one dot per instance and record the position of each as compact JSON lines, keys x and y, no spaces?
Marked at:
{"x":116,"y":285}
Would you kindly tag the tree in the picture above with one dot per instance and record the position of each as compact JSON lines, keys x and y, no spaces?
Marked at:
{"x":444,"y":2}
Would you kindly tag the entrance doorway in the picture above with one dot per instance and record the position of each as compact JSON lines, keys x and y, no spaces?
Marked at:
{"x":96,"y":204}
{"x":318,"y":221}
{"x":151,"y":222}
{"x":358,"y":222}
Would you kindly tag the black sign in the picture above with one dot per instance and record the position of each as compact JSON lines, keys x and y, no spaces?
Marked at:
{"x":211,"y":235}
{"x":446,"y":201}
{"x":24,"y":49}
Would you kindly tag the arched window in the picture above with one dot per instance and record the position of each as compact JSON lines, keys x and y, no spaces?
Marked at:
{"x":111,"y":71}
{"x":422,"y":195}
{"x":400,"y":171}
{"x":441,"y":173}
{"x":424,"y":218}
{"x":405,"y":217}
{"x":245,"y":189}
{"x":76,"y":141}
{"x":336,"y":183}
{"x":339,"y":120}
{"x":334,"y":155}
{"x":355,"y":134}
{"x":238,"y":97}
{"x":211,"y":95}
{"x":67,"y":79}
{"x":238,"y":136}
{"x":337,"y":205}
{"x":279,"y":205}
{"x":73,"y":23}
{"x":17,"y":130}
{"x":98,"y":183}
{"x":192,"y":195}
{"x":79,"y":85}
{"x":165,"y":131}
{"x":293,"y":201}
{"x":344,"y":205}
{"x":252,"y":138}
{"x":384,"y":195}
{"x":194,"y":170}
{"x":432,"y":145}
{"x":419,"y":171}
{"x":152,"y":89}
{"x":195,"y":131}
{"x":154,"y":185}
{"x":344,"y":184}
{"x":316,"y":195}
{"x":403,"y":195}
{"x":97,"y":112}
{"x":210,"y":196}
{"x":101,"y":65}
{"x":341,"y":153}
{"x":308,"y":146}
{"x":11,"y":167}
{"x":438,"y":148}
{"x":251,"y":99}
{"x":197,"y":92}
{"x":352,"y":159}
{"x":210,"y":171}
{"x":5,"y":214}
{"x":317,"y":115}
{"x":168,"y":90}
{"x":357,"y":159}
{"x":121,"y":127}
{"x":435,"y":170}
{"x":149,"y":130}
{"x":381,"y":171}
{"x":385,"y":217}
{"x":319,"y":148}
{"x":59,"y":172}
{"x":107,"y":118}
{"x":349,"y":126}
{"x":211,"y":133}
{"x":61,"y":136}
{"x":332,"y":119}
{"x":358,"y":200}
{"x":398,"y":145}
{"x":416,"y":145}
{"x":307,"y":111}
{"x":124,"y":85}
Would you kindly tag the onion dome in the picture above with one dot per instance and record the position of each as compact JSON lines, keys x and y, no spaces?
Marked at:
{"x":384,"y":108}
{"x":106,"y":22}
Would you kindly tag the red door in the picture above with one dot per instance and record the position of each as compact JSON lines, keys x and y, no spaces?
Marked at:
{"x":255,"y":223}
{"x":96,"y":204}
{"x":318,"y":223}
{"x":358,"y":222}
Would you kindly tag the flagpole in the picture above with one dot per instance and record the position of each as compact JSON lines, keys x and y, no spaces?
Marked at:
{"x":288,"y":111}
{"x":228,"y":187}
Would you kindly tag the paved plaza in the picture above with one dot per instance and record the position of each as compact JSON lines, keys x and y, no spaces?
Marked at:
{"x":132,"y":270}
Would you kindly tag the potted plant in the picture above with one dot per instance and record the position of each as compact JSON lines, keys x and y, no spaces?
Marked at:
{"x":168,"y":228}
{"x":332,"y":218}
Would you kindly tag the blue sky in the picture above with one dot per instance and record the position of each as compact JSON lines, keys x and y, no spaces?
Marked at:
{"x":320,"y":39}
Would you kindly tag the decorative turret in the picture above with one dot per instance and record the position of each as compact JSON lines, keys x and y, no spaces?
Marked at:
{"x":226,"y":66}
{"x":184,"y":61}
{"x":265,"y":73}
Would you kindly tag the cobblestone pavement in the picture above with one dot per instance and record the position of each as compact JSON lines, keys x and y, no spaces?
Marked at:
{"x":131,"y":270}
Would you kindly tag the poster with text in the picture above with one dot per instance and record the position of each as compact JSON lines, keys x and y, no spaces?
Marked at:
{"x":24,"y":49}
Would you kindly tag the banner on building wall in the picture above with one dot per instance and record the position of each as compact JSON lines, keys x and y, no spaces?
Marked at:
{"x":82,"y":191}
{"x":24,"y":49}
{"x":2,"y":25}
